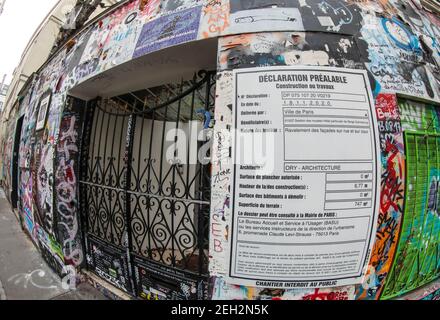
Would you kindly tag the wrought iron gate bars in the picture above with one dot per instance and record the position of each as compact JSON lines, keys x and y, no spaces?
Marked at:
{"x":166,"y":216}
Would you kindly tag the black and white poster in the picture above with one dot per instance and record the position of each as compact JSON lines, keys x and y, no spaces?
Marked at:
{"x":306,"y":183}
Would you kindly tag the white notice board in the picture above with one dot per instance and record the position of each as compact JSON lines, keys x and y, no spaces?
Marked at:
{"x":306,"y":216}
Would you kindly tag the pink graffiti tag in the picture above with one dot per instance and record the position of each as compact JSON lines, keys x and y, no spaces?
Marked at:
{"x":343,"y":295}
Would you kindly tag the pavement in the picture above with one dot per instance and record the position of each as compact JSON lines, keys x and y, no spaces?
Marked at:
{"x":24,"y":275}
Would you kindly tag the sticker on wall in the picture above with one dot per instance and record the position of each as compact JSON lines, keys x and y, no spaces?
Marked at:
{"x":167,"y":31}
{"x":306,"y":181}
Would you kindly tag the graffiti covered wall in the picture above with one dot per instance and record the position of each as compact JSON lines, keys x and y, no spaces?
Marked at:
{"x":394,"y":41}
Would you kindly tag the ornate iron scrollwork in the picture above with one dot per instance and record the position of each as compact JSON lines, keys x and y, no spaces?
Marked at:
{"x":135,"y":198}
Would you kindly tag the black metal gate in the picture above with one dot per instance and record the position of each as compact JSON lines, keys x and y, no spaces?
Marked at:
{"x":145,"y":194}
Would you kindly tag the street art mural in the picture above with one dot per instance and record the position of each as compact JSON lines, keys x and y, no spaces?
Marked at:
{"x":395,"y":41}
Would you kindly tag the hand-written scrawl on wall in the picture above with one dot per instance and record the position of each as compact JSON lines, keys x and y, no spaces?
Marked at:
{"x":418,"y":243}
{"x":26,"y":194}
{"x":43,"y":189}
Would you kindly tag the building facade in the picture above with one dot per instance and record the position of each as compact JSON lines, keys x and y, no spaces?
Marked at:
{"x":128,"y":145}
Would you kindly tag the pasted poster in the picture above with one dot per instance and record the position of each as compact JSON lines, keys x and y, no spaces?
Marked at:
{"x":169,"y":30}
{"x":306,"y":182}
